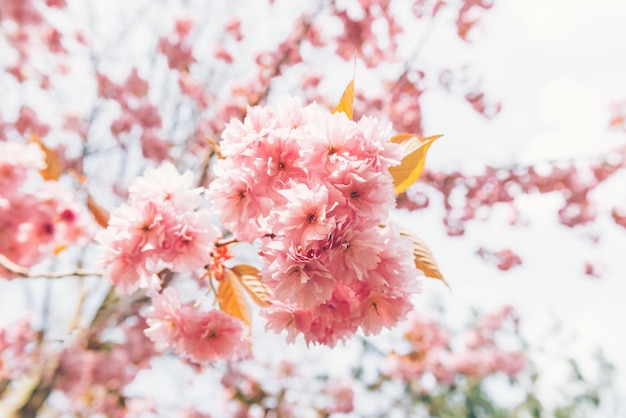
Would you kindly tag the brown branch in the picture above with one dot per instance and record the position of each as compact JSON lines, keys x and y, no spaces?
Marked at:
{"x":26,"y":273}
{"x":222,"y":243}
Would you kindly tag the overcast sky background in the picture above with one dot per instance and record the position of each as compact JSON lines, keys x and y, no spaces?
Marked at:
{"x":556,"y":65}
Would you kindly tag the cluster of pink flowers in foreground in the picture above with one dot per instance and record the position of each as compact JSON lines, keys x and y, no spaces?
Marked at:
{"x":201,"y":336}
{"x":36,"y":217}
{"x":316,"y":189}
{"x":162,"y":226}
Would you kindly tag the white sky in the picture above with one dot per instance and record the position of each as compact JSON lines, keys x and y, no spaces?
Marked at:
{"x":556,"y":65}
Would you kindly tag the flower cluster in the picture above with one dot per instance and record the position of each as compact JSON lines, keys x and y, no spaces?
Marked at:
{"x":92,"y":374}
{"x":137,"y":113}
{"x":160,"y":227}
{"x":201,"y":336}
{"x":17,"y":349}
{"x":36,"y":218}
{"x":316,"y":189}
{"x":251,"y":388}
{"x":433,"y":354}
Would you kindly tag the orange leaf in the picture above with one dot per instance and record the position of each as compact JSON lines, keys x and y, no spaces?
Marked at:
{"x":248,"y":276}
{"x":424,"y":259}
{"x":346,"y":104}
{"x":412,"y":165}
{"x":100,"y":214}
{"x":59,"y":249}
{"x":232,"y":298}
{"x":54,"y":168}
{"x":77,"y":176}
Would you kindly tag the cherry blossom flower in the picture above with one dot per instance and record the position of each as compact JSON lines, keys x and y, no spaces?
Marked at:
{"x":162,"y":226}
{"x":165,"y":318}
{"x":315,"y":188}
{"x":213,"y":335}
{"x":342,"y":396}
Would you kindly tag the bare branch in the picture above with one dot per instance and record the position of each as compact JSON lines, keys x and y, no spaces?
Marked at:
{"x":26,"y":273}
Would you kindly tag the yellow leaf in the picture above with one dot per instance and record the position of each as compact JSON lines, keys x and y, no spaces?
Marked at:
{"x":54,"y":168}
{"x":232,"y":298}
{"x":248,"y":276}
{"x":100,"y":214}
{"x":412,"y":165}
{"x":346,"y":104}
{"x":424,"y":259}
{"x":59,"y":249}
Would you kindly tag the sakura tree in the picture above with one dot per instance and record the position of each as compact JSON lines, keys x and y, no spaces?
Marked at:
{"x":178,"y":179}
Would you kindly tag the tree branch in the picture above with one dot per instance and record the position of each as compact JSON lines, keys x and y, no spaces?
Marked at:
{"x":26,"y":273}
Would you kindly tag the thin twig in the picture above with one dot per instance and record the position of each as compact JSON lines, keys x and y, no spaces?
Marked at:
{"x":222,"y":243}
{"x":26,"y":273}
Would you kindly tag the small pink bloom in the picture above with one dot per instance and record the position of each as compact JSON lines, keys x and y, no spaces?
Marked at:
{"x":281,"y":317}
{"x":233,"y":27}
{"x":304,"y":217}
{"x":242,"y":204}
{"x":147,"y":116}
{"x":56,"y":3}
{"x":127,"y":271}
{"x":307,"y":284}
{"x":165,"y":319}
{"x":381,"y":310}
{"x":154,"y":147}
{"x":342,"y":396}
{"x":165,"y":184}
{"x":190,"y":241}
{"x":178,"y":53}
{"x":213,"y":335}
{"x":355,"y":253}
{"x":136,"y":85}
{"x":368,"y":193}
{"x":221,"y":53}
{"x":193,"y":88}
{"x":28,"y":122}
{"x":184,"y":24}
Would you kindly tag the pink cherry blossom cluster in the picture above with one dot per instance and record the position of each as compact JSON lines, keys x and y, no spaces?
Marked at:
{"x":177,"y":48}
{"x":200,"y":336}
{"x":18,"y":349}
{"x":315,"y":187}
{"x":25,"y":29}
{"x":92,"y":379}
{"x":360,"y":35}
{"x":162,"y":226}
{"x":433,"y":352}
{"x":137,"y":113}
{"x":251,"y":388}
{"x":504,"y":259}
{"x":36,"y":218}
